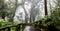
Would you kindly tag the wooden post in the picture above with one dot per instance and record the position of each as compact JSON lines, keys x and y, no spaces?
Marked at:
{"x":0,"y":30}
{"x":23,"y":25}
{"x":9,"y":29}
{"x":18,"y":27}
{"x":4,"y":30}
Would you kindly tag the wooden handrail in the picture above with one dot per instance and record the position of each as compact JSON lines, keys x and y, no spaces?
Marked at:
{"x":9,"y":27}
{"x":17,"y":26}
{"x":6,"y":27}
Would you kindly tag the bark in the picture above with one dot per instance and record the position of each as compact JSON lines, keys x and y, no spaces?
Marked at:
{"x":45,"y":2}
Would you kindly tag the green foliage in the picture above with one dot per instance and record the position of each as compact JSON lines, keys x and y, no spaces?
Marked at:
{"x":7,"y":9}
{"x":53,"y":19}
{"x":55,"y":16}
{"x":6,"y":22}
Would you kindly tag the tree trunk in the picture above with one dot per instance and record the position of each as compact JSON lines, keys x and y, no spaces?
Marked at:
{"x":45,"y":2}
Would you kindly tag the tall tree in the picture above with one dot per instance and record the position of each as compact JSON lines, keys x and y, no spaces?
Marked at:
{"x":2,"y":11}
{"x":45,"y":3}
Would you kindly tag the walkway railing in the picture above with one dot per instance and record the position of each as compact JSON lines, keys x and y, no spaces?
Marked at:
{"x":10,"y":26}
{"x":18,"y":26}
